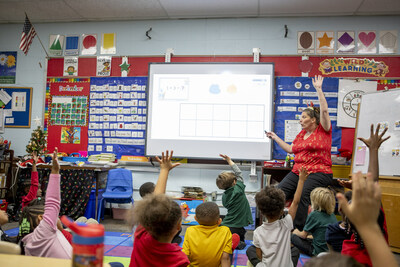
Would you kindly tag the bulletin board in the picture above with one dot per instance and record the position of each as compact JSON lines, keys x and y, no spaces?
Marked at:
{"x":66,"y":114}
{"x":117,"y":116}
{"x":373,"y":111}
{"x":292,"y":96}
{"x":17,"y":105}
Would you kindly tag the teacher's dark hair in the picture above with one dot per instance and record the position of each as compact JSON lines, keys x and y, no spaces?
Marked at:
{"x":313,"y":112}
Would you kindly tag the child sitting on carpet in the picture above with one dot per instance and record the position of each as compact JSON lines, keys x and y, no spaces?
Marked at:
{"x":39,"y":222}
{"x":323,"y":204}
{"x":159,"y":218}
{"x":272,"y":239}
{"x":208,"y":244}
{"x":235,"y":201}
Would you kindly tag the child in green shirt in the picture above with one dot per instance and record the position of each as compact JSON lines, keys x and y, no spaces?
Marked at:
{"x":234,"y":200}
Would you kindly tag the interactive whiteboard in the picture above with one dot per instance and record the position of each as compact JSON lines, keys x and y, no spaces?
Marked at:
{"x":381,"y":107}
{"x":200,"y":110}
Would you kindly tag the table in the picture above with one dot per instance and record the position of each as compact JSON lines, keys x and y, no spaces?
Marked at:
{"x":22,"y":260}
{"x":277,"y":173}
{"x":96,"y":169}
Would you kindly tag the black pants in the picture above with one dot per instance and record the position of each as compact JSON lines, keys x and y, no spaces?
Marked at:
{"x":289,"y":185}
{"x":304,"y":245}
{"x":252,"y":255}
{"x":238,"y":230}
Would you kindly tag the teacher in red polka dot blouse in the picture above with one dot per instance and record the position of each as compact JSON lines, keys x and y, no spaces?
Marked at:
{"x":312,"y":149}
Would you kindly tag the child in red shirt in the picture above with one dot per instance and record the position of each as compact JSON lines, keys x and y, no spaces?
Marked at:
{"x":159,"y":219}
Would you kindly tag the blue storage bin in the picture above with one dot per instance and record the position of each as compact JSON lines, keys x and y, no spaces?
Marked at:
{"x":90,"y":207}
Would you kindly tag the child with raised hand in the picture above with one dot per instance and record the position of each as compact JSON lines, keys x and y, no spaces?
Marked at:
{"x":272,"y":239}
{"x":354,"y":246}
{"x":234,"y":200}
{"x":208,"y":244}
{"x":363,"y":212}
{"x":323,"y":204}
{"x":44,"y":239}
{"x":159,"y":219}
{"x":34,"y":191}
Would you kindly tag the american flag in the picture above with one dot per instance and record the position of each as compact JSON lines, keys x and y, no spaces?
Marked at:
{"x":28,"y":32}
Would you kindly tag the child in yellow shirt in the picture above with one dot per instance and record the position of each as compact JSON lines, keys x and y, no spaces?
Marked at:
{"x":208,"y":244}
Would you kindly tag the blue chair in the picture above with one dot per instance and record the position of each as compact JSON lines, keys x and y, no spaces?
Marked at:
{"x":119,"y":188}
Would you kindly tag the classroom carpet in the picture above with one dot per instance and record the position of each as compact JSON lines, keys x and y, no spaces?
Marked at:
{"x":118,"y":248}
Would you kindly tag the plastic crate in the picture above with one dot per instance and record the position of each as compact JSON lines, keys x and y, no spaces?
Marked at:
{"x":74,"y":159}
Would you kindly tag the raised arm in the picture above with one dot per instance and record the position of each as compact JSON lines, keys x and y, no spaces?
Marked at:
{"x":32,"y":194}
{"x":363,"y":212}
{"x":53,"y":198}
{"x":165,"y":166}
{"x":373,"y":143}
{"x":296,"y":199}
{"x":324,"y":115}
{"x":285,"y":146}
{"x":235,"y":168}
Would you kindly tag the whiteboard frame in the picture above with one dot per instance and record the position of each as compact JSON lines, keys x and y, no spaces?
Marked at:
{"x":356,"y":141}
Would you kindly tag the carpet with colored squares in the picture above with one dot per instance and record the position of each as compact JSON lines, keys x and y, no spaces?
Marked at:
{"x":118,"y":248}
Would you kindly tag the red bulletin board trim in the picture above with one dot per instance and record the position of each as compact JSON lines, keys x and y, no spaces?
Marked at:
{"x":284,"y":65}
{"x":54,"y":131}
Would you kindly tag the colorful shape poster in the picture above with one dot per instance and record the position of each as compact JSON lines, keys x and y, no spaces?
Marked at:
{"x":346,"y":42}
{"x":103,"y":66}
{"x":70,"y":66}
{"x":72,"y":45}
{"x":70,"y":135}
{"x":366,"y":42}
{"x":388,"y":42}
{"x":305,"y":43}
{"x":56,"y":44}
{"x":8,"y":67}
{"x":18,"y":101}
{"x":89,"y":44}
{"x":325,"y":42}
{"x":108,"y":43}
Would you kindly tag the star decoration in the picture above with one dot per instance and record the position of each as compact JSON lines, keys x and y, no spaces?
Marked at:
{"x":325,"y":41}
{"x":125,"y":67}
{"x":37,"y":121}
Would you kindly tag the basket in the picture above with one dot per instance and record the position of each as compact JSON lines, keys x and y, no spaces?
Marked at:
{"x":74,"y":159}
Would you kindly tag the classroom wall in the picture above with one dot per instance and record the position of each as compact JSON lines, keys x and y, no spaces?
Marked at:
{"x":187,"y":37}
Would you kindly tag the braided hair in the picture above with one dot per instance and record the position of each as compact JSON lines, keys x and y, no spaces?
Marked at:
{"x":29,"y":217}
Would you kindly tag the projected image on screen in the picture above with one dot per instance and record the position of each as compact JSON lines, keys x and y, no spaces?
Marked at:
{"x":197,"y":114}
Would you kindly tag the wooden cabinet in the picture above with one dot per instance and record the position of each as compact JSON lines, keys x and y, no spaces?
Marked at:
{"x":391,"y":204}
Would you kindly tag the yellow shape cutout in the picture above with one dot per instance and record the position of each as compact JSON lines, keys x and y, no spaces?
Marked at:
{"x":325,"y":41}
{"x":108,"y":40}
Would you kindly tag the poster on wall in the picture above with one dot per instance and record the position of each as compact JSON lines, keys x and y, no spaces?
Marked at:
{"x":346,"y":42}
{"x":117,"y":116}
{"x":103,"y":66}
{"x":350,"y":93}
{"x":325,"y":42}
{"x":89,"y":44}
{"x":305,"y":43}
{"x":388,"y":42}
{"x":72,"y":45}
{"x":8,"y":67}
{"x":70,"y":135}
{"x":108,"y":43}
{"x":70,"y":66}
{"x":56,"y":44}
{"x":293,"y":94}
{"x":366,"y":42}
